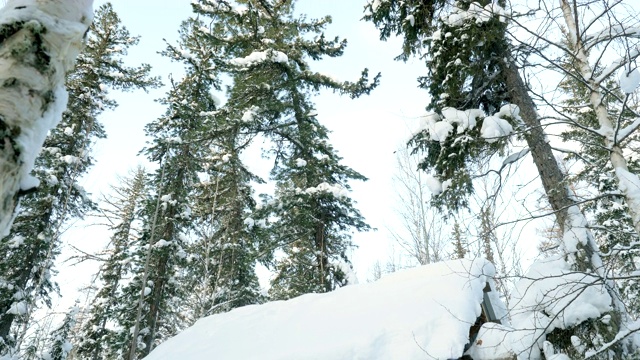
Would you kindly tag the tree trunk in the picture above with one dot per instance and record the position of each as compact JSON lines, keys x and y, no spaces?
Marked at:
{"x":39,"y":44}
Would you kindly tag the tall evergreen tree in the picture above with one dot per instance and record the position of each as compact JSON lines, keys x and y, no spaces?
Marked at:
{"x":179,"y":147}
{"x":29,"y":252}
{"x":311,"y":214}
{"x":98,"y":337}
{"x":221,"y":271}
{"x":225,"y":248}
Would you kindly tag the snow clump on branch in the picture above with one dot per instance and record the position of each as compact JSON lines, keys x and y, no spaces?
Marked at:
{"x":493,"y":127}
{"x":629,"y":80}
{"x":258,"y":57}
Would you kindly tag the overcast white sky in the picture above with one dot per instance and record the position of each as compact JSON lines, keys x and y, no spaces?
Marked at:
{"x":366,"y":131}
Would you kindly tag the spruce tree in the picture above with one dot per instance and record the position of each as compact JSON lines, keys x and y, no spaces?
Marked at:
{"x":59,"y":344}
{"x":225,"y":248}
{"x":220,"y":273}
{"x":29,"y":252}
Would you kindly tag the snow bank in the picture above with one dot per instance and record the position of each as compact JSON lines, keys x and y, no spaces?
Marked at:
{"x":420,"y":313}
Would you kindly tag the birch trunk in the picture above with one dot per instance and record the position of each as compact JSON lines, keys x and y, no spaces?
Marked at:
{"x":627,"y":181}
{"x":39,"y":42}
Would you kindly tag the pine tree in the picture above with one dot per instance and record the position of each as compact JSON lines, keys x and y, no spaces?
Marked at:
{"x":223,"y":252}
{"x":273,"y":86}
{"x":31,"y":248}
{"x":98,"y":337}
{"x":178,"y":146}
{"x":460,"y":243}
{"x":226,"y":247}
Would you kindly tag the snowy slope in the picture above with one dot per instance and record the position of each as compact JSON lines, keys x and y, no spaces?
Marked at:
{"x":420,"y":313}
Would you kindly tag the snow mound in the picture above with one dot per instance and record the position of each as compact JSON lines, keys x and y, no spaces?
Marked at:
{"x":420,"y":313}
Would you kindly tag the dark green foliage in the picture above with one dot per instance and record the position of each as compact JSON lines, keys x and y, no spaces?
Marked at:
{"x":305,"y":226}
{"x":100,"y":336}
{"x":465,"y":60}
{"x":391,"y":18}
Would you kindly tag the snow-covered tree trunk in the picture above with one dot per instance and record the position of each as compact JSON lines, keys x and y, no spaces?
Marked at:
{"x":39,"y":40}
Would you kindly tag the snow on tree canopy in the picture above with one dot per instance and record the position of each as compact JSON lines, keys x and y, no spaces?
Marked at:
{"x":420,"y":313}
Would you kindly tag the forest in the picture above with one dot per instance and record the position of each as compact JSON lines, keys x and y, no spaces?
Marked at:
{"x":524,"y":155}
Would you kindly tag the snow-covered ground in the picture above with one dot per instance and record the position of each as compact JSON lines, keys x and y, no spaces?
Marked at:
{"x":420,"y":313}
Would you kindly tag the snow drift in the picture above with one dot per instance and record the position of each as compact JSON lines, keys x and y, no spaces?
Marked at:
{"x":420,"y":313}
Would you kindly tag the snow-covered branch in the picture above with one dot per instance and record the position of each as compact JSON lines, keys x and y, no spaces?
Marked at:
{"x":39,"y":44}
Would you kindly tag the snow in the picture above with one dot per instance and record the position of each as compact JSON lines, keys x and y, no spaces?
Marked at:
{"x":420,"y":313}
{"x":411,"y":19}
{"x":162,"y":243}
{"x":440,"y":131}
{"x":491,"y":343}
{"x":494,"y":128}
{"x":376,"y":4}
{"x":552,"y":296}
{"x":475,"y":13}
{"x":250,"y":114}
{"x":509,"y":110}
{"x":249,"y":222}
{"x":433,"y":184}
{"x":257,"y":57}
{"x":334,"y":189}
{"x":629,"y":80}
{"x":629,"y":184}
{"x":465,"y":119}
{"x":623,"y":133}
{"x":300,"y":162}
{"x":18,"y":308}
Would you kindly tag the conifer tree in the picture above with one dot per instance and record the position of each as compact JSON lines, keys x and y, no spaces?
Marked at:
{"x":273,"y":85}
{"x":29,"y":252}
{"x":59,"y":345}
{"x":223,"y":251}
{"x":178,"y":146}
{"x":98,"y":337}
{"x":225,"y":248}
